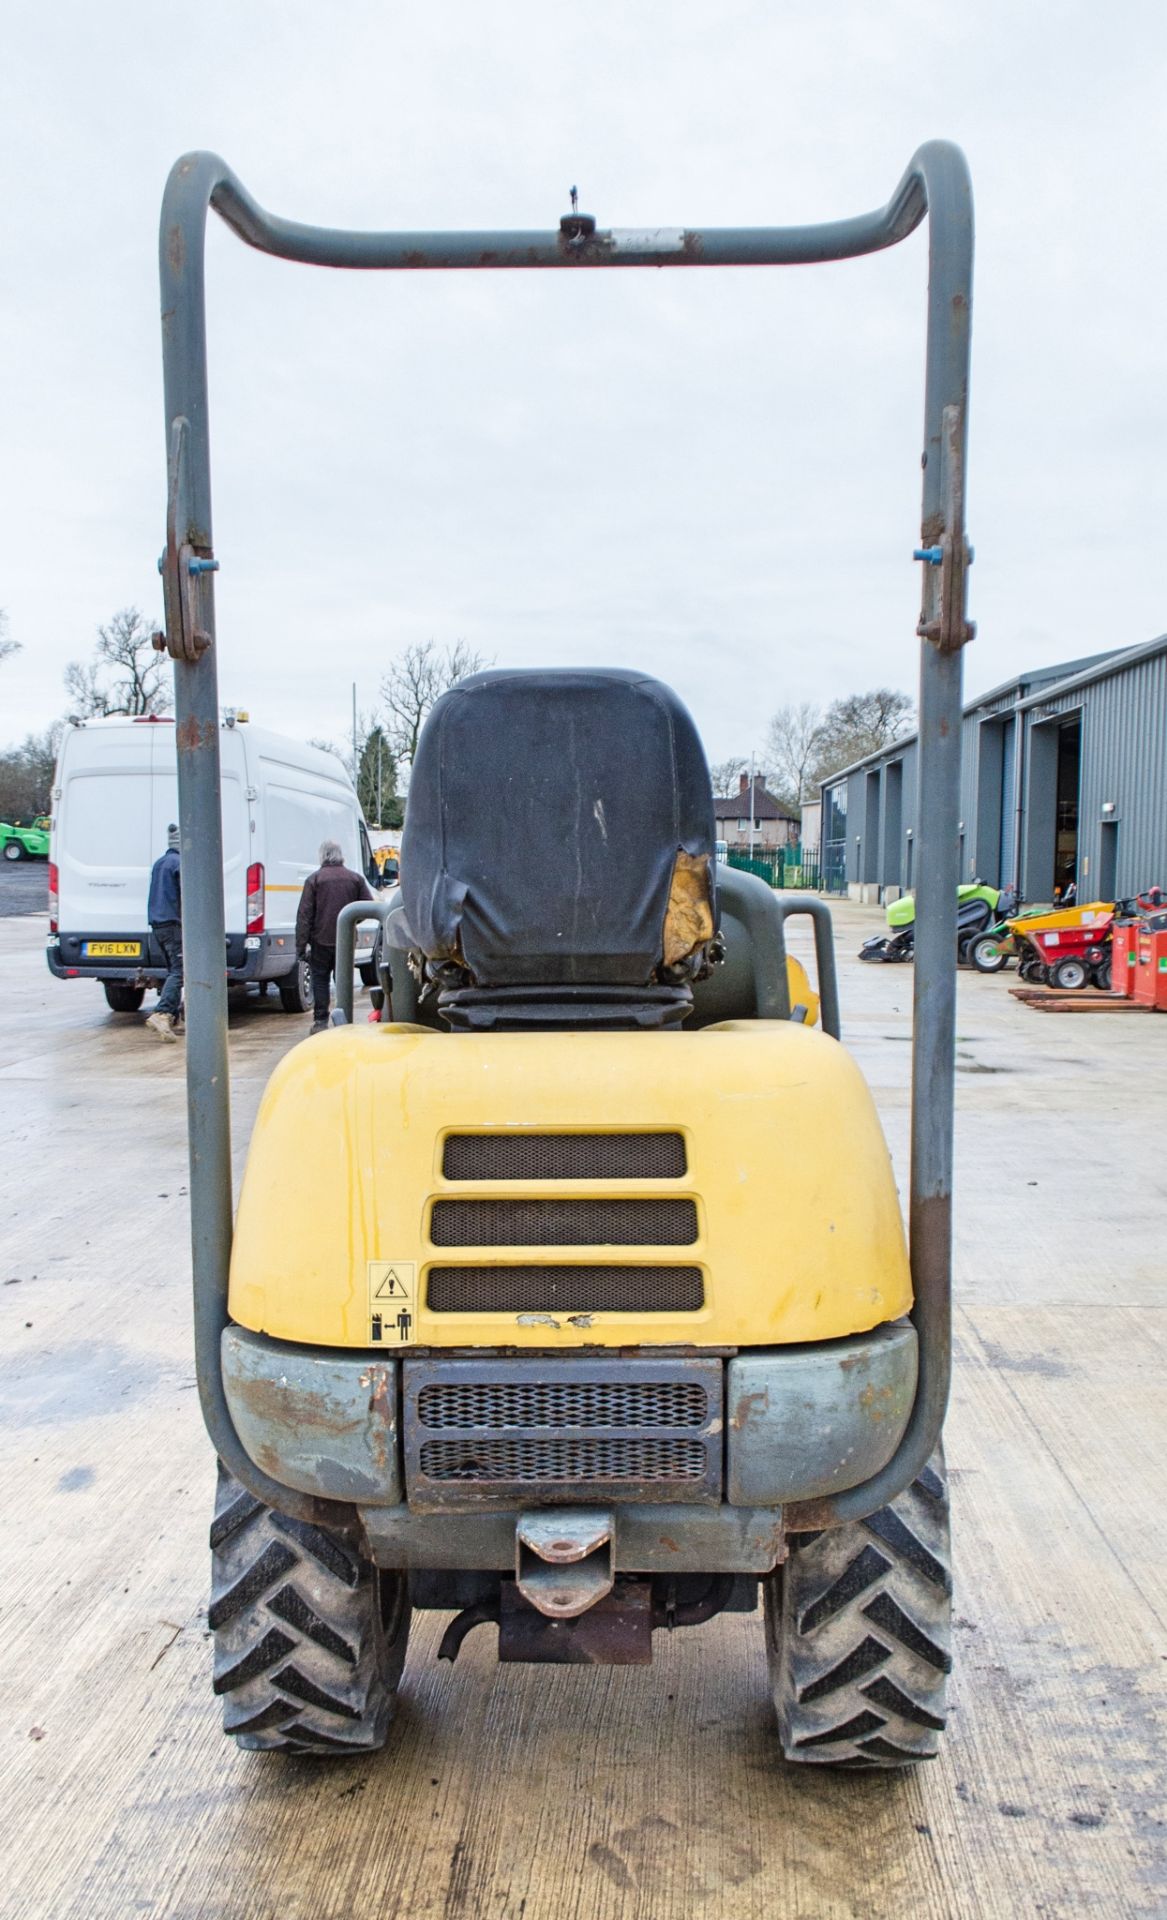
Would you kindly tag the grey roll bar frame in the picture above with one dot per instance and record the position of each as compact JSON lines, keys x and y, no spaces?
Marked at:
{"x":936,"y":184}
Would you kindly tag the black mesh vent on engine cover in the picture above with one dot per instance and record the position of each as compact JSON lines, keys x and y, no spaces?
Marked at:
{"x":562,"y":1403}
{"x":578,"y":1461}
{"x":548,"y":1289}
{"x":500,"y":1432}
{"x":563,"y":1223}
{"x":564,"y":1156}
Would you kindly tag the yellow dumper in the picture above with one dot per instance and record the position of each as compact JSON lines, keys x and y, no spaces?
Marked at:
{"x":573,"y":1298}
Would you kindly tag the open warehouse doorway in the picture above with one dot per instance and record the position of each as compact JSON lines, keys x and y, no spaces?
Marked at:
{"x":1052,"y":806}
{"x":1069,"y":774}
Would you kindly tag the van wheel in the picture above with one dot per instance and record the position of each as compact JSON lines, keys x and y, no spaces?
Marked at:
{"x":309,"y":1637}
{"x":859,"y":1633}
{"x":296,"y":989}
{"x":122,"y":996}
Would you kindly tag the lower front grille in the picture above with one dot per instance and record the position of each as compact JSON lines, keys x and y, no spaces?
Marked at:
{"x":565,"y":1289}
{"x":498,"y":1432}
{"x":579,"y":1462}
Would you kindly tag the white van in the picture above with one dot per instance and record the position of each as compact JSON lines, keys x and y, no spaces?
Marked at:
{"x":114,"y":795}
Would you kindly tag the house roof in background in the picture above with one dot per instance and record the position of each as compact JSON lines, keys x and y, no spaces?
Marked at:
{"x":735,"y":806}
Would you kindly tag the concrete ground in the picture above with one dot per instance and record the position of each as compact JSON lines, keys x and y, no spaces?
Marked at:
{"x":619,"y":1794}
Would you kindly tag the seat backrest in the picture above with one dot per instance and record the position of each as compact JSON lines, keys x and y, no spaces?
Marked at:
{"x":547,"y":813}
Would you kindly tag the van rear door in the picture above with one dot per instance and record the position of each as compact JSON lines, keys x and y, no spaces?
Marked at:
{"x":233,"y":809}
{"x":103,"y":845}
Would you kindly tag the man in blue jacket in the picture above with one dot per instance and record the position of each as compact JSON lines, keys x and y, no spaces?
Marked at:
{"x":164,"y":912}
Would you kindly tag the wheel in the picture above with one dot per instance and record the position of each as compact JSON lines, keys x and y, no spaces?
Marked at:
{"x":1071,"y":973}
{"x":859,"y":1634}
{"x":123,"y":996}
{"x":1103,"y":975}
{"x":369,"y":975}
{"x":1032,"y":970}
{"x":309,"y":1638}
{"x":296,"y":989}
{"x":13,"y":850}
{"x":986,"y":954}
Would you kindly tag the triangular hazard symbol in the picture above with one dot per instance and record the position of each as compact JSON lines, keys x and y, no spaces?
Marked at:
{"x":390,"y":1288}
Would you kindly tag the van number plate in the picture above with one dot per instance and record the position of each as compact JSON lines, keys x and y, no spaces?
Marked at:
{"x":111,"y":949}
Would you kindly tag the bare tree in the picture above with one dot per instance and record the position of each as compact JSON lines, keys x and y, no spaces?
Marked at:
{"x":862,"y":723}
{"x":414,"y":682}
{"x":793,"y":746}
{"x":724,"y":776}
{"x":26,"y":774}
{"x":87,"y":697}
{"x":126,"y":675}
{"x":8,"y":646}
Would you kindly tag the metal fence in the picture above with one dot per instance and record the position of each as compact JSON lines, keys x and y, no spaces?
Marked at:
{"x":781,"y":867}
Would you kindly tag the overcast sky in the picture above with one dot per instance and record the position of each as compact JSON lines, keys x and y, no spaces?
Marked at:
{"x":713,"y":476}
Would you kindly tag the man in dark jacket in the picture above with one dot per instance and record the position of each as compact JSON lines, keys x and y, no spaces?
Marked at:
{"x":164,"y":912}
{"x":326,"y":891}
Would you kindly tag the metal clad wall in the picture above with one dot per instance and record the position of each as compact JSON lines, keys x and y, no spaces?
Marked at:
{"x":969,"y":739}
{"x":982,"y":813}
{"x":1124,"y":759}
{"x":1007,"y":862}
{"x":910,"y":816}
{"x":856,"y":824}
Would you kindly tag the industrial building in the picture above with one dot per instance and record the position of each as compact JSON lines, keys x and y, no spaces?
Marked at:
{"x":1064,"y":778}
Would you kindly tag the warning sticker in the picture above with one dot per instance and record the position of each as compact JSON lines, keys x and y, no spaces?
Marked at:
{"x":392,"y":1302}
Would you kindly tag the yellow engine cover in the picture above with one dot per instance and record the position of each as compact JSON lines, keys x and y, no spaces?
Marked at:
{"x":794,"y":1227}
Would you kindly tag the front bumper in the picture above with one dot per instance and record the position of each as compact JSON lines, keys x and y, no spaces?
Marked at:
{"x":781,"y":1425}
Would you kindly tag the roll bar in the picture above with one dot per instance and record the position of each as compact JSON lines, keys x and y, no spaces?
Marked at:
{"x":936,"y":183}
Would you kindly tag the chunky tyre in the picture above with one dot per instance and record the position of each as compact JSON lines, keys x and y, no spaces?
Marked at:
{"x":13,"y":850}
{"x":1071,"y":974}
{"x":122,"y":996}
{"x":296,"y":989}
{"x":1103,"y":975}
{"x":986,"y":953}
{"x":309,"y":1638}
{"x":858,"y":1634}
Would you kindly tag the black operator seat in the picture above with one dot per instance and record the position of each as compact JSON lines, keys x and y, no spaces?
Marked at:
{"x":557,"y":863}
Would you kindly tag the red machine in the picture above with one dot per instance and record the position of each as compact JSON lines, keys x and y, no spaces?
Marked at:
{"x":1069,"y":947}
{"x":1140,"y":952}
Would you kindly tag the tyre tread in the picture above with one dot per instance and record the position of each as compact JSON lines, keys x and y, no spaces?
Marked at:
{"x":303,"y":1661}
{"x":858,"y":1630}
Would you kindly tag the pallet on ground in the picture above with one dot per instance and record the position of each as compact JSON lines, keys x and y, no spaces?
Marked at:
{"x":1055,"y":1000}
